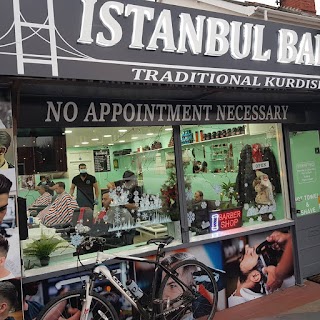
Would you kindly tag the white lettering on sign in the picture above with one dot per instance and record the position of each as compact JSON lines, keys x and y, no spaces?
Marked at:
{"x":69,"y":111}
{"x":290,"y":50}
{"x":145,"y":112}
{"x":306,"y":172}
{"x":210,"y":78}
{"x":260,"y":165}
{"x":249,"y":112}
{"x":199,"y":34}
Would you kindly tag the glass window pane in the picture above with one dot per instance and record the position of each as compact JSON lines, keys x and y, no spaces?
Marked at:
{"x":233,"y":175}
{"x":133,"y":169}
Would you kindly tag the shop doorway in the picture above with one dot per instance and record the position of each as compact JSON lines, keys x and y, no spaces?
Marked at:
{"x":304,"y":166}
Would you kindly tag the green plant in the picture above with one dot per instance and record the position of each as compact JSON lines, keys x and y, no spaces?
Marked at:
{"x":43,"y":247}
{"x":228,"y":191}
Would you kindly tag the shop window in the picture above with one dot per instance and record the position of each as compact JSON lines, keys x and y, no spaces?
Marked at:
{"x":136,"y":173}
{"x":233,"y":176}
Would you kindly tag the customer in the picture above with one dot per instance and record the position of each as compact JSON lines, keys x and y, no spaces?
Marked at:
{"x":5,"y":274}
{"x":106,"y":201}
{"x":115,"y":215}
{"x":8,"y":299}
{"x":198,"y":197}
{"x":61,"y":210}
{"x":45,"y":197}
{"x":85,"y":184}
{"x":5,"y":141}
{"x":5,"y":186}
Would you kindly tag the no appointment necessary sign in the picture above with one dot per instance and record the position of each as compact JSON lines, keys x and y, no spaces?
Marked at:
{"x":53,"y":113}
{"x":140,"y":41}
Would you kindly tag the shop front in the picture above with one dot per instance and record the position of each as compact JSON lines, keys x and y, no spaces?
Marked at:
{"x":181,"y":122}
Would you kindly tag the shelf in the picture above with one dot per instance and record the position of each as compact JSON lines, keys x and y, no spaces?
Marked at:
{"x":189,"y":144}
{"x":216,"y":139}
{"x":148,"y":151}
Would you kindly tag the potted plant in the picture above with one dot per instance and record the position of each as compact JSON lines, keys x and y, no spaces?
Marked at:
{"x":43,"y":247}
{"x":227,"y":191}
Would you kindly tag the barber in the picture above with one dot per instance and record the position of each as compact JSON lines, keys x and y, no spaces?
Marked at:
{"x":87,"y":188}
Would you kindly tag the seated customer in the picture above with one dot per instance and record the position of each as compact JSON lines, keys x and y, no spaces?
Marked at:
{"x":201,"y":223}
{"x":61,"y":210}
{"x":113,"y":215}
{"x":45,"y":197}
{"x":198,"y":197}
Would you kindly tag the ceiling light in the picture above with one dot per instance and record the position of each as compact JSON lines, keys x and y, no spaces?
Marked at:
{"x":95,"y":139}
{"x":134,"y":138}
{"x":67,"y":131}
{"x":122,"y":130}
{"x":107,"y":135}
{"x":168,"y":129}
{"x":76,"y":146}
{"x":150,"y":134}
{"x":85,"y":142}
{"x":110,"y":144}
{"x":122,"y":141}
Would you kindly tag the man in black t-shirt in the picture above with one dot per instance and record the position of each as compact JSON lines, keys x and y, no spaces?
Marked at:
{"x":86,"y":184}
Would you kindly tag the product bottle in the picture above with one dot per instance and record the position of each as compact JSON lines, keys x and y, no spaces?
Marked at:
{"x":137,"y":292}
{"x":201,"y":135}
{"x":197,"y":136}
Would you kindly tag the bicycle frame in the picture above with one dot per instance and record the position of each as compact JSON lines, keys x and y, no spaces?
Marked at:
{"x":101,"y":268}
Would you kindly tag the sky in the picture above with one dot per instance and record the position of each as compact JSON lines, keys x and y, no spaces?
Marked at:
{"x":273,"y":3}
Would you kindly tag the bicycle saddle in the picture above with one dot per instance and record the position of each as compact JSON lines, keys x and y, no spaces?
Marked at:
{"x":165,"y":240}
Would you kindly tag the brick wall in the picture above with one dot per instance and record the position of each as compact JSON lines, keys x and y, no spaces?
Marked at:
{"x":305,"y":5}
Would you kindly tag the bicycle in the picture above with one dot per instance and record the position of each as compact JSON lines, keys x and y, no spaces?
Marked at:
{"x":195,"y":299}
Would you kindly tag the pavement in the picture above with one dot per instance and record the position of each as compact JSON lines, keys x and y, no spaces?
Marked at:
{"x":308,"y":311}
{"x":294,"y":303}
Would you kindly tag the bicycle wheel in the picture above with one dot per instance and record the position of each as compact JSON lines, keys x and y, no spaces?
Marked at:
{"x":68,"y":306}
{"x":177,"y":302}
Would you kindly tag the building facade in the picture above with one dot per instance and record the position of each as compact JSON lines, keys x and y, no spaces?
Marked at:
{"x":197,"y":119}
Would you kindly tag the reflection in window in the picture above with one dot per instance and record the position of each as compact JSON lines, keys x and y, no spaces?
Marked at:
{"x":234,"y":176}
{"x":136,"y":173}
